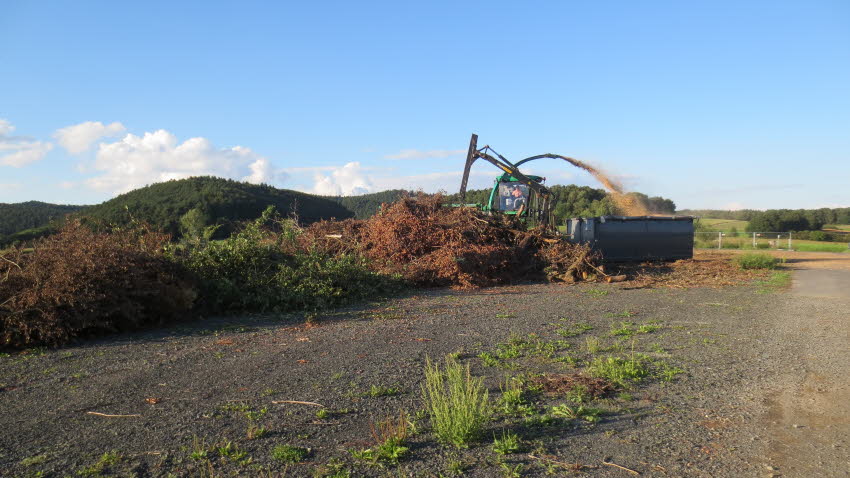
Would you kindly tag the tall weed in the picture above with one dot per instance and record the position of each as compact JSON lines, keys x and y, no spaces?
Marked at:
{"x":458,"y":403}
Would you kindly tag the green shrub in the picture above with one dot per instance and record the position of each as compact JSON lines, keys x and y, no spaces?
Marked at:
{"x":753,"y":260}
{"x":263,"y":268}
{"x":458,"y":404}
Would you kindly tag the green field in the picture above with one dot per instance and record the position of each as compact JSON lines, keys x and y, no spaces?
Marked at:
{"x":840,"y":227}
{"x":724,"y":225}
{"x":818,"y":246}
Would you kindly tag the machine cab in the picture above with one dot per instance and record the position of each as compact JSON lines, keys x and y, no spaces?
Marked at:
{"x":510,"y":196}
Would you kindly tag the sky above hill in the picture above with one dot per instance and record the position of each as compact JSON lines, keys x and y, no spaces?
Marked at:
{"x":715,"y":104}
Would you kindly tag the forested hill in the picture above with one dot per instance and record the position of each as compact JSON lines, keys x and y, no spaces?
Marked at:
{"x":30,"y":215}
{"x":366,"y":205}
{"x":212,"y":201}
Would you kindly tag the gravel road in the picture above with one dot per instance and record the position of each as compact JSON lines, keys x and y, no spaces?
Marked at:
{"x":764,"y":390}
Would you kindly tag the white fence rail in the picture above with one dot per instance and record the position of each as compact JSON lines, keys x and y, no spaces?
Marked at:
{"x":744,"y":240}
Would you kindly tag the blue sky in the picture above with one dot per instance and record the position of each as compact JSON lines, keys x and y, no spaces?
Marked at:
{"x":714,"y":104}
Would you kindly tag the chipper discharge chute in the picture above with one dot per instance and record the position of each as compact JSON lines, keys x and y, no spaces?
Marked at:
{"x":617,"y":238}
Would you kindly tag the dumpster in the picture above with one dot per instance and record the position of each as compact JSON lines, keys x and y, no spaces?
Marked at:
{"x":635,"y":238}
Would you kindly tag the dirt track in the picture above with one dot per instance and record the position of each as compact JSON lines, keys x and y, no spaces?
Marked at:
{"x":764,"y":391}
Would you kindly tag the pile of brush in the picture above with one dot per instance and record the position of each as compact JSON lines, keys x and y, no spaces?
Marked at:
{"x":433,"y":245}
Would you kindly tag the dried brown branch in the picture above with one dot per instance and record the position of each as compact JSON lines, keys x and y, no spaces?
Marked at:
{"x":111,"y":416}
{"x":298,"y":402}
{"x":620,"y":467}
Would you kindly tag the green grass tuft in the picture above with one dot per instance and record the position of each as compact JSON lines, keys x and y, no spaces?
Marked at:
{"x":289,"y":453}
{"x":755,"y":260}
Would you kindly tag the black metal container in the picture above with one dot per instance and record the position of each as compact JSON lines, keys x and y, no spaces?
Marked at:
{"x":635,"y":238}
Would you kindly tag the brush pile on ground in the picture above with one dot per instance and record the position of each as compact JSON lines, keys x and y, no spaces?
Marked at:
{"x":80,"y":282}
{"x":89,"y":280}
{"x":431,"y":245}
{"x":706,"y":269}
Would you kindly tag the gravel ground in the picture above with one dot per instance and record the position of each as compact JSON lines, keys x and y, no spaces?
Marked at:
{"x":188,"y":395}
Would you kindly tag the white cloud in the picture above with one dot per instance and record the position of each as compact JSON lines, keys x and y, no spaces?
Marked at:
{"x":261,"y":172}
{"x":417,"y":154}
{"x":6,"y":127}
{"x":80,"y":137}
{"x":17,"y":151}
{"x":348,"y":180}
{"x":135,"y":161}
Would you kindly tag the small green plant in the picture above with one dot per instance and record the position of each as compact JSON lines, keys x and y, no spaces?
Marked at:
{"x":506,"y":444}
{"x":458,"y":403}
{"x":456,"y":467}
{"x":625,"y":329}
{"x":619,"y":370}
{"x":505,"y":316}
{"x":255,"y":416}
{"x":596,"y":292}
{"x":667,"y":372}
{"x":323,"y":413}
{"x":756,"y":260}
{"x":488,"y":359}
{"x":289,"y":453}
{"x":382,"y":391}
{"x":592,"y":344}
{"x":391,"y":451}
{"x":199,"y":449}
{"x":254,"y":431}
{"x":231,"y":452}
{"x":590,"y":415}
{"x":235,"y":407}
{"x":106,"y":460}
{"x":512,"y":400}
{"x":539,"y":420}
{"x":390,"y":436}
{"x":624,"y":314}
{"x":509,"y":471}
{"x":334,"y":468}
{"x":579,"y":394}
{"x":367,"y":455}
{"x":34,"y":460}
{"x":647,"y":328}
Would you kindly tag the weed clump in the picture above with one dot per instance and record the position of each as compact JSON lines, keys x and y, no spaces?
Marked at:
{"x":620,"y":371}
{"x":753,"y":260}
{"x":289,"y":453}
{"x":458,"y":403}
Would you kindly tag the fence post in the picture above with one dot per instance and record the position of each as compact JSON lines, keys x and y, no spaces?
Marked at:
{"x":754,"y":240}
{"x":789,"y":241}
{"x":719,"y":240}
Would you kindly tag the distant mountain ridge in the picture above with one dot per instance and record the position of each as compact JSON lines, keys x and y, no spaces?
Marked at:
{"x":217,"y":201}
{"x":31,"y":214}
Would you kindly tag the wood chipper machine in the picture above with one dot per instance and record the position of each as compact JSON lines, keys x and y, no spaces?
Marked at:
{"x":617,"y":238}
